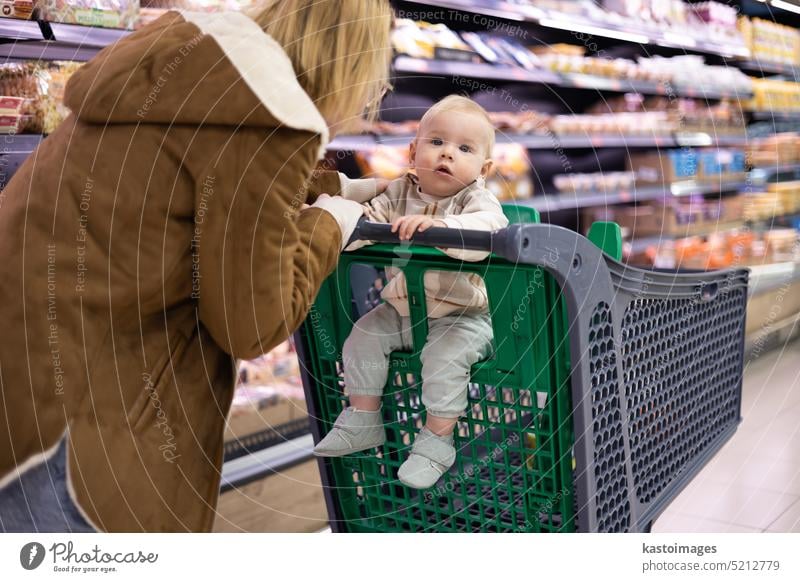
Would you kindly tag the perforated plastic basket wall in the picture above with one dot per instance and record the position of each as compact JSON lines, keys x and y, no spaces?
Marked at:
{"x":654,"y":390}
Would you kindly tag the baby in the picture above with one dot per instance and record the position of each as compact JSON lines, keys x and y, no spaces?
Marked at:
{"x":451,"y":157}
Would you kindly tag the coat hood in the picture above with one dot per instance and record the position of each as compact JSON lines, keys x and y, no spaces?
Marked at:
{"x":192,"y":69}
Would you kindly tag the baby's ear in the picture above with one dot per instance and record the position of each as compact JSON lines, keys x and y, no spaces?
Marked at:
{"x":486,"y":168}
{"x":412,"y":154}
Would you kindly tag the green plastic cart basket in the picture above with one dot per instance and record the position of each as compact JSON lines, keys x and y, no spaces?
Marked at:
{"x":609,"y":387}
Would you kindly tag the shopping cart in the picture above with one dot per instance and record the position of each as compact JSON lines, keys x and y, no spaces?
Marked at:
{"x":609,"y":388}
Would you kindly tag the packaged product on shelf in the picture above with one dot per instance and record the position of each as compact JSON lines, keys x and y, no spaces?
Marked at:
{"x":615,"y":124}
{"x":775,"y":150}
{"x":41,"y":88}
{"x":761,"y":206}
{"x":721,"y":249}
{"x":389,"y":162}
{"x":11,"y":105}
{"x":510,"y":178}
{"x":656,"y":218}
{"x":21,"y":9}
{"x":568,"y":50}
{"x":593,"y":182}
{"x":28,"y":81}
{"x":731,"y":208}
{"x":430,"y":41}
{"x":789,"y":194}
{"x":527,"y":122}
{"x":102,"y":13}
{"x":11,"y":124}
{"x":769,"y":41}
{"x":781,"y":244}
{"x":664,"y":167}
{"x":721,"y":164}
{"x":772,"y":95}
{"x":279,"y":364}
{"x":269,"y":392}
{"x":631,"y":8}
{"x":716,"y":13}
{"x":691,"y":71}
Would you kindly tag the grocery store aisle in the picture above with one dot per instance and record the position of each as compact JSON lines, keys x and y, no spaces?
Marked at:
{"x":286,"y":502}
{"x":753,"y":484}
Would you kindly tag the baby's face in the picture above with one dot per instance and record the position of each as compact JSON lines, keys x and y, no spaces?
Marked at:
{"x":449,"y":152}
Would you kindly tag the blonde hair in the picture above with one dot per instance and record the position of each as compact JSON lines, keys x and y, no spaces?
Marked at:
{"x":465,"y":105}
{"x":340,"y":50}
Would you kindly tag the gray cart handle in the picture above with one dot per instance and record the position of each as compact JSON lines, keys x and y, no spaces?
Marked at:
{"x":477,"y":240}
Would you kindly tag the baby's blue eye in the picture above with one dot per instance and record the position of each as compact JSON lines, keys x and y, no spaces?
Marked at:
{"x":436,"y":141}
{"x":465,"y":148}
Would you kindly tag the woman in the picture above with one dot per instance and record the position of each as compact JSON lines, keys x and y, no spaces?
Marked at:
{"x":158,"y":234}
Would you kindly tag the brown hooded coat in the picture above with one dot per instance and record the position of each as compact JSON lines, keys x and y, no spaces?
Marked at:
{"x":153,"y":238}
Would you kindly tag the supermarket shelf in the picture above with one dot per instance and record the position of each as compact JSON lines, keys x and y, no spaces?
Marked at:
{"x":45,"y":51}
{"x":257,"y":465}
{"x":573,"y":23}
{"x":640,"y":244}
{"x":19,"y":144}
{"x":771,"y":276}
{"x":14,"y":150}
{"x":86,"y":36}
{"x":404,"y":64}
{"x":268,"y":437}
{"x":762,"y":175}
{"x":776,"y":115}
{"x":691,"y":187}
{"x":767,"y":67}
{"x":597,"y":141}
{"x":555,"y":202}
{"x":53,"y":41}
{"x":14,"y":28}
{"x":369,"y":141}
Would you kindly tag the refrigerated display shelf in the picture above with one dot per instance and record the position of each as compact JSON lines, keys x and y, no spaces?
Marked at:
{"x":775,"y":115}
{"x":554,"y":141}
{"x":767,"y":67}
{"x":577,"y":23}
{"x":640,"y":244}
{"x":562,"y":201}
{"x":255,"y":466}
{"x":554,"y":202}
{"x":270,"y":436}
{"x":19,"y":144}
{"x":404,"y":64}
{"x":42,"y":40}
{"x":764,"y":174}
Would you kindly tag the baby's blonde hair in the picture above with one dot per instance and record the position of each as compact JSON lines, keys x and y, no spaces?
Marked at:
{"x":465,"y":105}
{"x":340,"y":50}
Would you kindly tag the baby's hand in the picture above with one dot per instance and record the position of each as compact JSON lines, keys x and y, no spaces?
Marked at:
{"x":406,"y":226}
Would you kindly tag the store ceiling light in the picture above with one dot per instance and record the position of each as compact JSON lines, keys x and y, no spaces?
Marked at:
{"x":786,"y":6}
{"x":595,"y":30}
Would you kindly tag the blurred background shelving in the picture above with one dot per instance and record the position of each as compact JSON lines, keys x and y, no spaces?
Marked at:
{"x":677,"y":119}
